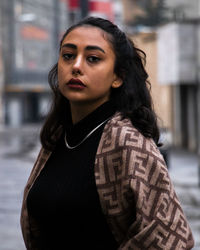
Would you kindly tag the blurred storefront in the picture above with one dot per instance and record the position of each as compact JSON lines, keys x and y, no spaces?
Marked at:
{"x":178,"y":62}
{"x":30,"y":31}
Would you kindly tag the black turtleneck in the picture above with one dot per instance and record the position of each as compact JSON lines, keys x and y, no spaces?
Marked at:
{"x":64,"y":199}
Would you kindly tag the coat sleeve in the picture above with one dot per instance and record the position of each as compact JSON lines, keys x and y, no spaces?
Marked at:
{"x":160,"y":222}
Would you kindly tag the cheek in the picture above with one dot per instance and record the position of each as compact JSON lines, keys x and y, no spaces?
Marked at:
{"x":105,"y":79}
{"x":61,"y":73}
{"x":105,"y":74}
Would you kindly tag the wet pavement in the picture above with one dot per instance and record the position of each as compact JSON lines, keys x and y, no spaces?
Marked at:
{"x":18,"y":150}
{"x":184,"y":174}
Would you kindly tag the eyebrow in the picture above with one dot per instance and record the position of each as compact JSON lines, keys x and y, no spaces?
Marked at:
{"x":89,"y":47}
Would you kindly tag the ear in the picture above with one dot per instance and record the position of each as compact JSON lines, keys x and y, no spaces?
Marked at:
{"x":117,"y":82}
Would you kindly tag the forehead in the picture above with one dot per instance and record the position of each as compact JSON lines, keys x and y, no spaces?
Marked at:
{"x":88,"y":35}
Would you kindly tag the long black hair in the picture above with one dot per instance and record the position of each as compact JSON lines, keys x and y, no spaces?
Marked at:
{"x":132,"y":98}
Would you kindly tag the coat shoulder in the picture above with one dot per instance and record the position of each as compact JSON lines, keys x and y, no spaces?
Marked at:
{"x":119,"y":133}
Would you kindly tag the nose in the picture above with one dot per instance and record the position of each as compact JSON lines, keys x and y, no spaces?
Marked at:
{"x":77,"y":67}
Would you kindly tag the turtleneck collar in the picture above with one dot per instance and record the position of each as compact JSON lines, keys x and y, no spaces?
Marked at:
{"x":76,"y":132}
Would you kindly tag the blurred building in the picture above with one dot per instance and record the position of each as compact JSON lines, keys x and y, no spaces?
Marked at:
{"x":179,"y":62}
{"x":132,"y":9}
{"x":29,"y":37}
{"x":143,"y":13}
{"x":182,"y":9}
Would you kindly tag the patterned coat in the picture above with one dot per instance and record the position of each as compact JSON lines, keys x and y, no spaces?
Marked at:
{"x":136,"y":193}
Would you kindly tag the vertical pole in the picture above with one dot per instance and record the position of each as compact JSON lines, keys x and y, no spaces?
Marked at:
{"x":84,"y":8}
{"x":197,"y":36}
{"x":177,"y":116}
{"x":56,"y":24}
{"x":198,"y":130}
{"x":8,"y":38}
{"x":8,"y":50}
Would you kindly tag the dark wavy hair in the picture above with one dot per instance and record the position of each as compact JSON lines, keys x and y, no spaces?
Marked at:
{"x":132,"y":98}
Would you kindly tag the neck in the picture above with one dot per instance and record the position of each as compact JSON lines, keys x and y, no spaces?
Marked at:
{"x":80,"y":111}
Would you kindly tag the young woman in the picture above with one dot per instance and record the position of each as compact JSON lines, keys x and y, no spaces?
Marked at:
{"x":99,"y":181}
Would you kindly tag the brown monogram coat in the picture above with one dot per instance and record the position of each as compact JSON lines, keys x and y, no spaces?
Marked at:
{"x":136,"y":193}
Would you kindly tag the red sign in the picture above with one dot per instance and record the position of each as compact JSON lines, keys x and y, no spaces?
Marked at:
{"x":101,"y":7}
{"x":73,"y":4}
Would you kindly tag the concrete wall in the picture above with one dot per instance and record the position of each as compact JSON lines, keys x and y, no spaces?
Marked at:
{"x":183,"y":9}
{"x":177,"y":53}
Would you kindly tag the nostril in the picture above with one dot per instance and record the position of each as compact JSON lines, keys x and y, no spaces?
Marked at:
{"x":76,"y":71}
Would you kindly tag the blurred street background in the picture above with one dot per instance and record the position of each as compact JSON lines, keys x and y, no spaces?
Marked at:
{"x":168,"y":31}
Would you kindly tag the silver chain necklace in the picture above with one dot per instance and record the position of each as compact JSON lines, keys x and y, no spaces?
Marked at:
{"x":91,"y":132}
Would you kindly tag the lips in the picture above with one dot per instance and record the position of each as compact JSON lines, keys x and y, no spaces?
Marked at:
{"x":76,"y":82}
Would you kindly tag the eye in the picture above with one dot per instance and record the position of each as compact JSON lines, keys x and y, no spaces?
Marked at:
{"x":93,"y":59}
{"x":68,"y":56}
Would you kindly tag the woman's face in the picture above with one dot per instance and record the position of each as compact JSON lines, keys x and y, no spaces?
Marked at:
{"x":86,"y":67}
